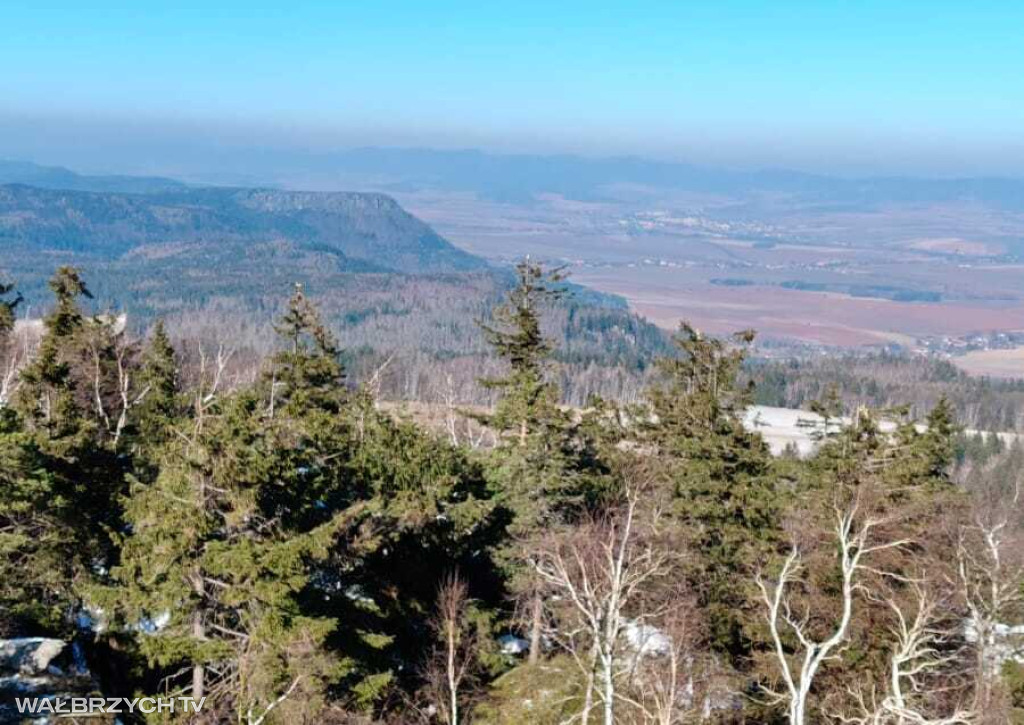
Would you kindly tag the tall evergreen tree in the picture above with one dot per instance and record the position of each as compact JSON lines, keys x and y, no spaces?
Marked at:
{"x":527,"y":400}
{"x":35,"y":549}
{"x":548,"y":467}
{"x":308,"y":370}
{"x":60,"y":492}
{"x":222,"y":541}
{"x":159,"y":379}
{"x":7,"y":308}
{"x":721,"y":475}
{"x":46,"y":397}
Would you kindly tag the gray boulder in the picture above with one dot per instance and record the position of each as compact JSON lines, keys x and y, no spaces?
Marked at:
{"x":29,"y":655}
{"x":39,"y":667}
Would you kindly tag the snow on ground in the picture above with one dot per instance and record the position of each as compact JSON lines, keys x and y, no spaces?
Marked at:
{"x":782,"y":427}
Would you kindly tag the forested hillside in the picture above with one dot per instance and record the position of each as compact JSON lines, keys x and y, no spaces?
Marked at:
{"x":359,"y":231}
{"x":885,"y":381}
{"x":212,"y":259}
{"x":277,"y":543}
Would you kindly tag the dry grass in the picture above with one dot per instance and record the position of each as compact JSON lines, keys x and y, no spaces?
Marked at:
{"x":993,"y":363}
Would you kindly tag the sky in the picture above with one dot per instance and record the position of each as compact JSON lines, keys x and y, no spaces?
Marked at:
{"x":895,"y":86}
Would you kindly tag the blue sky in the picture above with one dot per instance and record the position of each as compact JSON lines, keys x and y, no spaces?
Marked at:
{"x":930,"y":86}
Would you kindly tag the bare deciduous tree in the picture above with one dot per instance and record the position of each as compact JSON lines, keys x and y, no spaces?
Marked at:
{"x":856,"y":536}
{"x":15,"y":352}
{"x":990,"y":565}
{"x":921,"y":664}
{"x":600,"y":574}
{"x":449,"y":668}
{"x":671,"y":677}
{"x":114,"y":394}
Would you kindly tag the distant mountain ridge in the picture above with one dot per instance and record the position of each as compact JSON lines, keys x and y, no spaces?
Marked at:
{"x":361,"y":231}
{"x":522,"y":177}
{"x":219,"y":263}
{"x":57,"y":177}
{"x":519,"y":176}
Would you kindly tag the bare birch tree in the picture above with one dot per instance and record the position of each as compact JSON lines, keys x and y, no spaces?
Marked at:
{"x":990,"y":566}
{"x":113,"y":359}
{"x":449,"y":668}
{"x":672,"y":678}
{"x":857,"y":536}
{"x":922,"y":665}
{"x":601,"y":574}
{"x":15,"y":352}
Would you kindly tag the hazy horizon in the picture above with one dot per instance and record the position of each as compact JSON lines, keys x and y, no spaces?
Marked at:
{"x":196,"y":150}
{"x":926,"y":89}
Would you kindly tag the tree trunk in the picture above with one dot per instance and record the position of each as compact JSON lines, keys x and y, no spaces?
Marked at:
{"x":609,"y":690}
{"x":453,"y":686}
{"x":198,"y":671}
{"x":798,"y":706}
{"x":588,"y":696}
{"x":198,"y":634}
{"x":986,"y":643}
{"x":536,"y":621}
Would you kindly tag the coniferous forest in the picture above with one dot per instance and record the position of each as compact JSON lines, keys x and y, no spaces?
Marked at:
{"x":283,"y":542}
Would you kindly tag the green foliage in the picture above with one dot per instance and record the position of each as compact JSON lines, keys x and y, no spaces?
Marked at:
{"x":46,"y":397}
{"x":221,"y":543}
{"x":548,"y":693}
{"x":721,"y":477}
{"x":159,"y":379}
{"x":7,"y":308}
{"x":912,"y":459}
{"x":1013,"y":677}
{"x":550,"y":465}
{"x":527,"y":400}
{"x":283,"y":520}
{"x":61,"y":481}
{"x":34,"y":573}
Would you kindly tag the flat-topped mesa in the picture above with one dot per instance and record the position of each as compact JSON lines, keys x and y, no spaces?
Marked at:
{"x":365,"y":232}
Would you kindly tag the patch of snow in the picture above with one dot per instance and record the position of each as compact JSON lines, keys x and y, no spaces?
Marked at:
{"x":646,"y":640}
{"x":152,"y":625}
{"x":512,"y":645}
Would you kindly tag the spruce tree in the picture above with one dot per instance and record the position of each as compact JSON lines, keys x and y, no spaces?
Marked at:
{"x":307,"y":371}
{"x":62,"y":484}
{"x":267,"y":550}
{"x":7,"y":308}
{"x":546,"y":469}
{"x":36,"y":550}
{"x":527,"y":400}
{"x":159,"y":379}
{"x":222,"y":542}
{"x":46,"y":397}
{"x":720,"y":475}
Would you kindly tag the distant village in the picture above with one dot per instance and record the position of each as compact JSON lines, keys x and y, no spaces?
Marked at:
{"x":947,"y":346}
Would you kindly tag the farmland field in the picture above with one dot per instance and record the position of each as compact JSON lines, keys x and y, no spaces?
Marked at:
{"x":993,"y":363}
{"x":870,"y":277}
